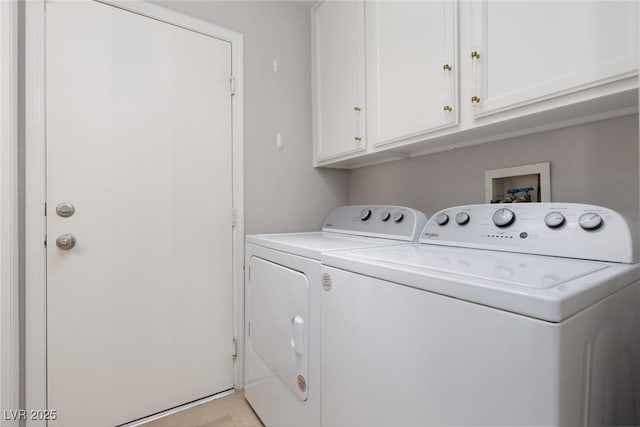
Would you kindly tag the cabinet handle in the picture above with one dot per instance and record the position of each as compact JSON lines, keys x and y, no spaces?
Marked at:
{"x":356,"y":130}
{"x":475,"y":83}
{"x":448,"y":82}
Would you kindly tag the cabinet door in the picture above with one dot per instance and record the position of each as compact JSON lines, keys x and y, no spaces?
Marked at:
{"x":527,"y":52}
{"x":411,"y":68}
{"x":338,"y":67}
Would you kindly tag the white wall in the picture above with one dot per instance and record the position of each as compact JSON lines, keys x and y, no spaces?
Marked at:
{"x":283,"y":192}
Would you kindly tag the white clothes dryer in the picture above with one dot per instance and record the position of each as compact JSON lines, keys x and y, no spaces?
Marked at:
{"x":520,"y":315}
{"x":282,"y":312}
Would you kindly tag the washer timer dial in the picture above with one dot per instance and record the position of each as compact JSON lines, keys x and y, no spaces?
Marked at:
{"x":442,"y":218}
{"x":365,"y":214}
{"x":590,"y":221}
{"x":503,"y":217}
{"x":554,"y":219}
{"x":462,"y":218}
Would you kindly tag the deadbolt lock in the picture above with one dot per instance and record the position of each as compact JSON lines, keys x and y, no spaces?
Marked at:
{"x":65,"y":209}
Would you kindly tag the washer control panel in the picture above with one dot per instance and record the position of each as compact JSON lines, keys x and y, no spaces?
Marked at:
{"x":389,"y":222}
{"x":558,"y":229}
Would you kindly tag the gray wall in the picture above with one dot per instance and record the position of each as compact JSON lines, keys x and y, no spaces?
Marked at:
{"x":283,"y":192}
{"x":593,"y":163}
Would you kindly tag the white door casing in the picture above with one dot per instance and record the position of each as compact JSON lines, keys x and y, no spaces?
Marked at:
{"x":172,"y":215}
{"x":9,"y":269}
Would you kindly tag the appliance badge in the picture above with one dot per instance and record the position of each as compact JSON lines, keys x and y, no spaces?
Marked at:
{"x":326,"y":282}
{"x":431,"y":235}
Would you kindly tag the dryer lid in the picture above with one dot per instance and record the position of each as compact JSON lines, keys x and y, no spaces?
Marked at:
{"x":311,"y":245}
{"x":349,"y":227}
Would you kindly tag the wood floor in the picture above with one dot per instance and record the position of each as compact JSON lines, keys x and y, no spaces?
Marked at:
{"x":230,"y":411}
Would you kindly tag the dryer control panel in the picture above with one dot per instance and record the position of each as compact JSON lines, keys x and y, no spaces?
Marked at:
{"x":389,"y":222}
{"x":559,"y":229}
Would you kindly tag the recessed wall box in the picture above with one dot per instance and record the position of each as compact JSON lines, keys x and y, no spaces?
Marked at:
{"x":519,"y":183}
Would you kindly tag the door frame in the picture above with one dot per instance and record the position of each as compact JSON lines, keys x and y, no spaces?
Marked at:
{"x":35,"y":186}
{"x":9,"y":212}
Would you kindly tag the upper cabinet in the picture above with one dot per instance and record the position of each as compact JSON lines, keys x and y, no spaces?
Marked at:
{"x":338,"y":79}
{"x":524,"y":52}
{"x":438,"y":75}
{"x":411,"y":68}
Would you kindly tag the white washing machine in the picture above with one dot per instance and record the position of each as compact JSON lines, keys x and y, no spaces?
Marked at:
{"x":282,"y":294}
{"x":520,"y":315}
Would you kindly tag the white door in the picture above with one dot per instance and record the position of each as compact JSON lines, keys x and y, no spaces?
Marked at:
{"x":139,"y":312}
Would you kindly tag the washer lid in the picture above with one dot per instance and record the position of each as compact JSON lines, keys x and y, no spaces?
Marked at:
{"x":311,"y":245}
{"x":521,"y":270}
{"x":548,"y":288}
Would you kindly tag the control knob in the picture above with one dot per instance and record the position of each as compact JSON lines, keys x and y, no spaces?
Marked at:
{"x":462,"y":218}
{"x":365,"y":214}
{"x":398,"y":217}
{"x":503,"y":217}
{"x":442,"y":219}
{"x":385,"y":216}
{"x":554,"y":219}
{"x":590,"y":221}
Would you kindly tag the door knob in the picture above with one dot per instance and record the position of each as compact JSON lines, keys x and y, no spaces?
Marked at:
{"x":66,"y":242}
